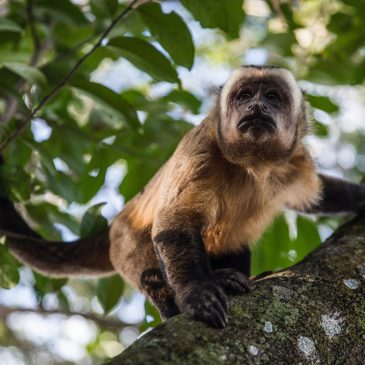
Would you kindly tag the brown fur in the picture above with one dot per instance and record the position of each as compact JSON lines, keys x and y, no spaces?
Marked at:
{"x":216,"y":190}
{"x":182,"y":238}
{"x":236,"y":204}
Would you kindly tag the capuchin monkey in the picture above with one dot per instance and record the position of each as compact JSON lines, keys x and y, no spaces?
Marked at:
{"x":184,"y":240}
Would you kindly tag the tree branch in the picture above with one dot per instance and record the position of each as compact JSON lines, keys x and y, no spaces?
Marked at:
{"x":20,"y":128}
{"x":311,"y":313}
{"x":105,"y":322}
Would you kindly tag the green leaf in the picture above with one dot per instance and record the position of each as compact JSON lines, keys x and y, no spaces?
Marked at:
{"x":93,"y":222}
{"x":10,"y":33}
{"x":138,"y":175}
{"x":108,"y":291}
{"x":146,"y":57}
{"x":17,"y":153}
{"x":282,"y":42}
{"x":45,"y":215}
{"x":331,"y":72}
{"x":340,"y":22}
{"x":150,"y":310}
{"x":322,"y":102}
{"x":266,"y":254}
{"x":307,"y":239}
{"x":69,"y":37}
{"x":185,"y":99}
{"x":64,"y":11}
{"x":226,"y":15}
{"x":16,"y":182}
{"x":109,"y":98}
{"x":170,"y":31}
{"x":7,"y":25}
{"x":9,"y":275}
{"x":276,"y":250}
{"x":320,"y":129}
{"x":31,"y":74}
{"x":44,"y":285}
{"x":103,"y":8}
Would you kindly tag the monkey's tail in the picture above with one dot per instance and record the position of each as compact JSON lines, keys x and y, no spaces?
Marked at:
{"x":84,"y":257}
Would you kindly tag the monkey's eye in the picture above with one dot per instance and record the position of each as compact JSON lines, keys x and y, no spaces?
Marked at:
{"x":272,"y":96}
{"x":244,"y":95}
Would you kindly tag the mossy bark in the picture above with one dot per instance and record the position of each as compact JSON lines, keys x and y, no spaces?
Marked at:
{"x":311,"y":313}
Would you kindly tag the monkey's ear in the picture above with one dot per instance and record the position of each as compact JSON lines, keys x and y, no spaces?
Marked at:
{"x":218,"y":90}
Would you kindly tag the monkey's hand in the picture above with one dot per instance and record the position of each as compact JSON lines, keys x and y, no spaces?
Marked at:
{"x":206,"y":302}
{"x":232,"y":281}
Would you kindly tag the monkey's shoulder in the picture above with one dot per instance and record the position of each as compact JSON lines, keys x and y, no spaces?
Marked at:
{"x":303,"y":186}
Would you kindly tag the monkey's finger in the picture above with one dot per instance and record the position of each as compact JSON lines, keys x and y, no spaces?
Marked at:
{"x":216,"y":302}
{"x":233,"y":287}
{"x":222,"y":299}
{"x":220,"y":319}
{"x":225,"y":277}
{"x":243,"y":281}
{"x":216,"y":318}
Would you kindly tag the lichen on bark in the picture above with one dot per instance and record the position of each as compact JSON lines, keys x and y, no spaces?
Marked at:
{"x":311,"y":313}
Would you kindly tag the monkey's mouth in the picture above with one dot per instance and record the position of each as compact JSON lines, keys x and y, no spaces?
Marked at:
{"x":257,"y":124}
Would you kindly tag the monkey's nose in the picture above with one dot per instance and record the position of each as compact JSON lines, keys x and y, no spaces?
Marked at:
{"x":257,"y":107}
{"x":252,"y":106}
{"x":264,"y":107}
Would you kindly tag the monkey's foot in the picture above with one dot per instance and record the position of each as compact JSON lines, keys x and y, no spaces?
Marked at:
{"x":168,"y":309}
{"x":206,"y":302}
{"x":232,"y":281}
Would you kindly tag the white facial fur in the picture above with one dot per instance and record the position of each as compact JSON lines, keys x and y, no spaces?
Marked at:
{"x":241,"y":72}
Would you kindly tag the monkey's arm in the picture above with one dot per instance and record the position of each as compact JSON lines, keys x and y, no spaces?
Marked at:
{"x":183,"y":260}
{"x":338,"y":196}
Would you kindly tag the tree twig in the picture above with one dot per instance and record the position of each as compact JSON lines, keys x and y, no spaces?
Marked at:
{"x":20,"y":128}
{"x":106,"y":322}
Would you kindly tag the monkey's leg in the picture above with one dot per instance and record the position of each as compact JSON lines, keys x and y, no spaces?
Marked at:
{"x":232,"y":271}
{"x":134,"y":258}
{"x":240,"y":261}
{"x":186,"y":267}
{"x":339,"y":196}
{"x":159,"y":293}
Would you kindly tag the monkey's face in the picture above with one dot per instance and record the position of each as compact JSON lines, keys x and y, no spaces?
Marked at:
{"x":260,"y":111}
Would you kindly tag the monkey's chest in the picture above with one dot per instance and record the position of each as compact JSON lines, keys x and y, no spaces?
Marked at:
{"x":239,"y":225}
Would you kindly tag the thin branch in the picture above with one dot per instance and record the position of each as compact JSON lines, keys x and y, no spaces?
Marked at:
{"x":106,"y":322}
{"x":20,"y":128}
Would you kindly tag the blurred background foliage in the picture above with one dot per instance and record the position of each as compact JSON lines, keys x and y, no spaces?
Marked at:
{"x":101,"y":138}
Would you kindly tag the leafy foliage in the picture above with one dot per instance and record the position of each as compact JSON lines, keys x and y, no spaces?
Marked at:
{"x":277,"y":249}
{"x":177,"y":40}
{"x":93,"y":125}
{"x":226,"y":15}
{"x":109,"y":291}
{"x":9,"y":275}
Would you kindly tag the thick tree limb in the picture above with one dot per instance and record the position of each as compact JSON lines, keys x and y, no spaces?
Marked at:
{"x":311,"y":313}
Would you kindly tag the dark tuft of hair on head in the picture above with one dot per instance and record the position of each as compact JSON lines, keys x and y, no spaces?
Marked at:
{"x":261,"y":67}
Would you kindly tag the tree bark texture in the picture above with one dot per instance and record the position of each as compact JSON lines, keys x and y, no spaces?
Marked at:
{"x":311,"y":313}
